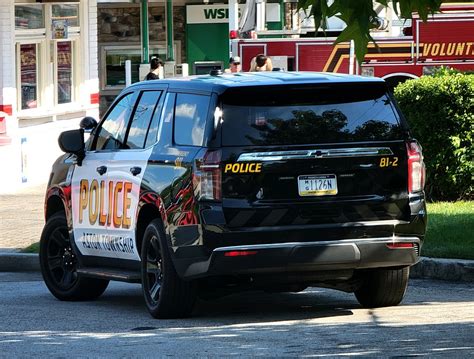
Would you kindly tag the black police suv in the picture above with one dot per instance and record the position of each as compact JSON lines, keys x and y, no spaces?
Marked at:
{"x":275,"y":181}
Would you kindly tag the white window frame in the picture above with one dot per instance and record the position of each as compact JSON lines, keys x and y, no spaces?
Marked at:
{"x":39,"y":75}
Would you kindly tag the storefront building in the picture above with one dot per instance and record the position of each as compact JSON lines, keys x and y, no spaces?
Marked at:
{"x":48,"y":81}
{"x":120,"y":39}
{"x":200,"y":32}
{"x":62,"y":61}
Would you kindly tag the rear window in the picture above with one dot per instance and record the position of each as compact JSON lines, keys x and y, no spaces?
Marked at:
{"x":307,"y":115}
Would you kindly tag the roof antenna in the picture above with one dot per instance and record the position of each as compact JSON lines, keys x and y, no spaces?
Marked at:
{"x":215,"y":72}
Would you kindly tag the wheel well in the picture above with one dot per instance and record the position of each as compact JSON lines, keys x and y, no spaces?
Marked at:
{"x":54,"y":205}
{"x":147,"y":214}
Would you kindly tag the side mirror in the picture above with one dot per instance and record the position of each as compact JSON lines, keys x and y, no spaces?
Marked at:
{"x":88,"y":124}
{"x":73,"y":142}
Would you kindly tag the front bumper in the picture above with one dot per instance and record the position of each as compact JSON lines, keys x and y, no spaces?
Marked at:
{"x":297,"y":257}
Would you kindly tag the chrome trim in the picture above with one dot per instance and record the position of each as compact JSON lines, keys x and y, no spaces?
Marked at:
{"x":315,"y":153}
{"x":325,"y":243}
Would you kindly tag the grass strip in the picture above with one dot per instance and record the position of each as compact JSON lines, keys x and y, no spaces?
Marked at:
{"x":450,"y":232}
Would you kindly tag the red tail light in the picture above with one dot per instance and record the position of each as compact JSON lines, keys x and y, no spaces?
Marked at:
{"x":208,"y":175}
{"x":416,"y":168}
{"x":239,"y":253}
{"x":400,"y":245}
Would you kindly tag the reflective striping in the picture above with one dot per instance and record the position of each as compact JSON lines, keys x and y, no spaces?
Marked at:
{"x":274,"y":217}
{"x":355,"y":215}
{"x":241,"y":218}
{"x":315,"y":153}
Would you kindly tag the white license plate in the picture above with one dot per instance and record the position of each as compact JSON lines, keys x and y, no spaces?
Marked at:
{"x":317,"y":185}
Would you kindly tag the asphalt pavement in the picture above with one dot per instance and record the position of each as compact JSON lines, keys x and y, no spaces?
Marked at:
{"x":436,"y":319}
{"x":22,"y":220}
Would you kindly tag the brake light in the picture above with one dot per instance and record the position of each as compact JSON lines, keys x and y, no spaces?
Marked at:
{"x":400,"y":245}
{"x":208,"y":175}
{"x":416,"y":168}
{"x":239,"y":253}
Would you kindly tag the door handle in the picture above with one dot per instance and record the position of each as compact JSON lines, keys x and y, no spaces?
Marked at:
{"x":101,"y":170}
{"x":135,"y":170}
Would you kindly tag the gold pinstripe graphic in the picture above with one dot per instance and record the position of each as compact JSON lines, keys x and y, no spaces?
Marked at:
{"x":334,"y":53}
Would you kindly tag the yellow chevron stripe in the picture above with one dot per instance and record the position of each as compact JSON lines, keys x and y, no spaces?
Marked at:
{"x":333,"y":53}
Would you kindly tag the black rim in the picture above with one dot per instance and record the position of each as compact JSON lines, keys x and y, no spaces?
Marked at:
{"x":61,"y":261}
{"x":154,"y":272}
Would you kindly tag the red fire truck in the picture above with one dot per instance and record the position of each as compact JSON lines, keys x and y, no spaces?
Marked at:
{"x":445,"y":39}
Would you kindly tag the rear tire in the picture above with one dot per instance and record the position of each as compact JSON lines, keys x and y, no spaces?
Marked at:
{"x":58,"y":264}
{"x":383,"y":287}
{"x":166,"y":294}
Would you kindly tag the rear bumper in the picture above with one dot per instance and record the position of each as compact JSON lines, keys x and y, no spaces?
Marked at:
{"x":297,"y":257}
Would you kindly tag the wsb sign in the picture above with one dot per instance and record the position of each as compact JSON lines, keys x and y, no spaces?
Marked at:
{"x":215,"y":14}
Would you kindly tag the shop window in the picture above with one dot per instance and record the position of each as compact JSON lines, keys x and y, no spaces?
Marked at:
{"x":29,"y":16}
{"x":65,"y":85}
{"x":29,"y":76}
{"x":66,"y":12}
{"x":115,"y":64}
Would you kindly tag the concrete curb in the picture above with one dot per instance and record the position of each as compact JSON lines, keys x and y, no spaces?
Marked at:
{"x":454,"y":270}
{"x":19,"y":262}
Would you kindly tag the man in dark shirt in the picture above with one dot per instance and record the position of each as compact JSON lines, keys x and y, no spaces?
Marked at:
{"x":155,"y":66}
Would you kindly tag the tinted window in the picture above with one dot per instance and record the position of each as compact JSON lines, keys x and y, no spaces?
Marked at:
{"x":306,"y":116}
{"x":159,"y":126}
{"x":190,"y":119}
{"x":112,"y":132}
{"x":141,"y":119}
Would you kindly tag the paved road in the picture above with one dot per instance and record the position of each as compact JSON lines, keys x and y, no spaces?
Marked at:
{"x":437,"y":319}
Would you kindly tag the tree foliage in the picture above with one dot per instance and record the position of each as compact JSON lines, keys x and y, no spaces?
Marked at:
{"x":360,"y":16}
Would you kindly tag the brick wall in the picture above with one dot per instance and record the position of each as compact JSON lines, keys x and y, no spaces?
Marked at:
{"x":93,"y":52}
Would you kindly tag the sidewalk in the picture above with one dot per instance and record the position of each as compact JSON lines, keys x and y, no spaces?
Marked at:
{"x":21,"y":223}
{"x":21,"y":218}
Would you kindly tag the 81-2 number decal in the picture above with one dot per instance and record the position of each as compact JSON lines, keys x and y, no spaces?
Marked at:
{"x":388,"y":162}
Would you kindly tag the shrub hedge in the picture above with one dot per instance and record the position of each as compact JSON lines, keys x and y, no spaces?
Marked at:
{"x":440,"y":112}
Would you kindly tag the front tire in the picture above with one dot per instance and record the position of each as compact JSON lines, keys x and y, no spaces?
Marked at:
{"x":382,"y":287}
{"x":58,"y":264}
{"x":166,"y":294}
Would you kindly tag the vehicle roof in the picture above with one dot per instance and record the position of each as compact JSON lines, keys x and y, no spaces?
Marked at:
{"x":222,"y":82}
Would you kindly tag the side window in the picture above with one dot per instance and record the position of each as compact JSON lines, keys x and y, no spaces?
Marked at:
{"x":111,"y":134}
{"x":190,"y":119}
{"x":141,"y":119}
{"x":156,"y":125}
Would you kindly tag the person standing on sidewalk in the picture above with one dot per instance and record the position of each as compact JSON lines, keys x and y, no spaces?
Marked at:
{"x":156,"y":64}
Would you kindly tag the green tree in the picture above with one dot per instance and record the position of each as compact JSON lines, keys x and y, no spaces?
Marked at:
{"x":360,"y":16}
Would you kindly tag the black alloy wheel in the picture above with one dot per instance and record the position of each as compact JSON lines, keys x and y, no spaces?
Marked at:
{"x":166,"y":294}
{"x":61,"y":261}
{"x":59,"y":264}
{"x":154,"y":272}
